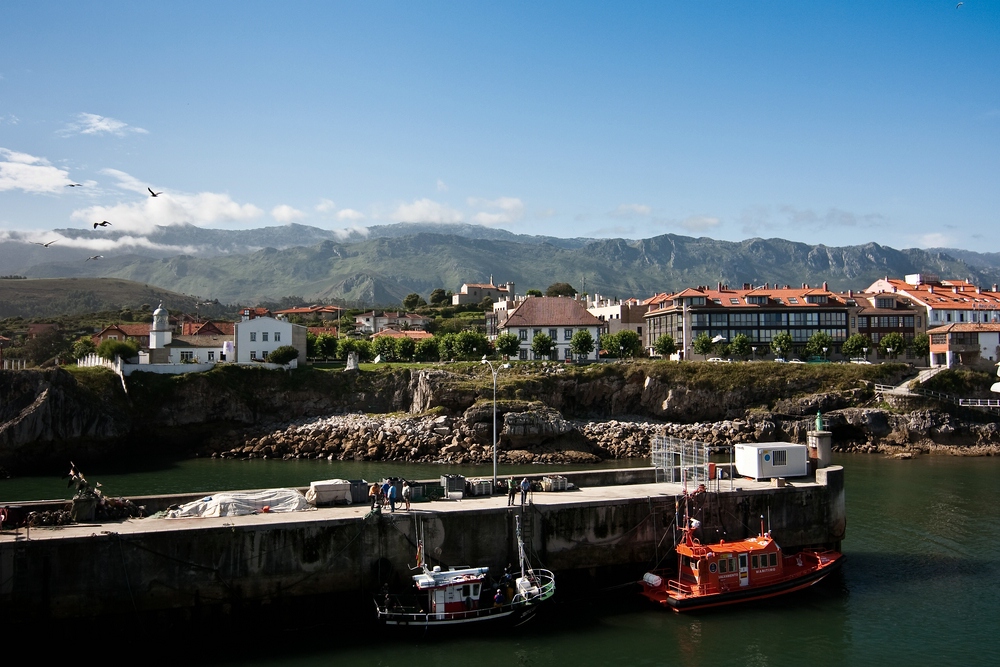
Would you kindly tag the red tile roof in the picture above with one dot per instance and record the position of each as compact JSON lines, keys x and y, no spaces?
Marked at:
{"x":319,"y":331}
{"x":210,"y":328}
{"x":965,"y":327}
{"x":541,"y":311}
{"x":393,"y":333}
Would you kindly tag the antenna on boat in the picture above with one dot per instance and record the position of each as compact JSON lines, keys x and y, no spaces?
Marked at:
{"x":768,"y":520}
{"x":762,"y":525}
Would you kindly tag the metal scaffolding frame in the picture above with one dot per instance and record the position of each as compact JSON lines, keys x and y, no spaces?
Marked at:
{"x":684,"y":461}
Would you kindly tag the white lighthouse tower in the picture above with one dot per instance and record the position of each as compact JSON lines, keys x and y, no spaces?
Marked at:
{"x":160,"y":334}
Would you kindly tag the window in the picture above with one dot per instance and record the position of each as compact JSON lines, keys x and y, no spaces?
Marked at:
{"x":211,"y":356}
{"x":253,"y":336}
{"x":187,"y":356}
{"x":522,"y":354}
{"x":277,"y":336}
{"x":792,"y":299}
{"x":755,"y":562}
{"x":772,"y":559}
{"x":734,"y":301}
{"x":568,"y":354}
{"x":535,"y":332}
{"x":554,"y":334}
{"x":522,"y":334}
{"x":263,"y":336}
{"x":253,"y":354}
{"x":113,"y":337}
{"x":567,"y":334}
{"x":758,"y":300}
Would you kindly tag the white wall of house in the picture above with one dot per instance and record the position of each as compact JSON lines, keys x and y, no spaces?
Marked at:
{"x":257,"y":337}
{"x":563,"y":336}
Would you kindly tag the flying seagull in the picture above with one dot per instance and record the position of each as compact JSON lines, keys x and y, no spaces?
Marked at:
{"x":94,"y":257}
{"x":45,"y":245}
{"x":105,"y":223}
{"x":959,"y":5}
{"x":154,"y":194}
{"x":75,"y":185}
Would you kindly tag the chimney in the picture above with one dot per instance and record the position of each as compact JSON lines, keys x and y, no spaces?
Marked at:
{"x":994,"y":287}
{"x":850,"y":293}
{"x":825,"y":288}
{"x":930,"y":289}
{"x":720,"y":286}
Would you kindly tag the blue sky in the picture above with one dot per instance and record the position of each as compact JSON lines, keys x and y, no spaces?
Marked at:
{"x":836,"y":123}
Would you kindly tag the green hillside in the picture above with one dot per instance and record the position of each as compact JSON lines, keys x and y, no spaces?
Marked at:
{"x":73,"y":296}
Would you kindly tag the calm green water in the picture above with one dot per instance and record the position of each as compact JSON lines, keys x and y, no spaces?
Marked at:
{"x":921,"y":586}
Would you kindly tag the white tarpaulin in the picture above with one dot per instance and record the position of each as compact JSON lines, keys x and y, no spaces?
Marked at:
{"x":237,"y":503}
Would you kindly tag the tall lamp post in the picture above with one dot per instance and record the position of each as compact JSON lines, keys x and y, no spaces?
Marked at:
{"x":494,"y":371}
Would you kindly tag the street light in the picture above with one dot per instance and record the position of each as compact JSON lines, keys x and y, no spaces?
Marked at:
{"x":824,"y":354}
{"x":494,"y":371}
{"x":889,"y":350}
{"x":754,"y":350}
{"x":866,"y":353}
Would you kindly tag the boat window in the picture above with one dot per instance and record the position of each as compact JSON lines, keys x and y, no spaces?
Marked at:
{"x":773,"y":559}
{"x":475,"y":591}
{"x":754,"y":562}
{"x":722,"y":565}
{"x":466,"y":591}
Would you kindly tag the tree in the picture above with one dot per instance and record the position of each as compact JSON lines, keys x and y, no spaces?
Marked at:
{"x":507,"y":344}
{"x":446,"y":346}
{"x":892,"y":341}
{"x":703,"y":345}
{"x":782,"y":345}
{"x":921,"y":345}
{"x":560,"y":289}
{"x":405,"y":348}
{"x":582,"y":343}
{"x":819,"y":344}
{"x":312,"y":349}
{"x":665,"y":345}
{"x":283,"y":355}
{"x":533,"y":292}
{"x":608,"y":344}
{"x":629,"y":342}
{"x":385,"y":347}
{"x":740,"y":347}
{"x":83,"y":347}
{"x":126,"y":349}
{"x":855,"y":346}
{"x":411,"y":301}
{"x":470,"y":345}
{"x":45,"y":346}
{"x":542,"y":345}
{"x":326,"y":346}
{"x":427,"y":350}
{"x":438,"y":297}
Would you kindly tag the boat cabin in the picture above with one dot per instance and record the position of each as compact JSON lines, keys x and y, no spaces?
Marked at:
{"x":450,"y":591}
{"x":727,"y":566}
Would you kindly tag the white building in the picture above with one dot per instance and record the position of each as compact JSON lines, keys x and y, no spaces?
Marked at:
{"x":259,"y":336}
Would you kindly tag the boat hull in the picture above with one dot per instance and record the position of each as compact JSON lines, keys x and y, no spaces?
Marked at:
{"x":680,"y":602}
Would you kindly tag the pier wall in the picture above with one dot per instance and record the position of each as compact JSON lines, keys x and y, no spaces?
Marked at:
{"x":185,"y":571}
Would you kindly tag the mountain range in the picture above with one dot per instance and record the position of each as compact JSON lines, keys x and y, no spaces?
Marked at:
{"x":382,"y":264}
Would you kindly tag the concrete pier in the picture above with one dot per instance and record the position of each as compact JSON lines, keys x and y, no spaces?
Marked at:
{"x":337,"y":557}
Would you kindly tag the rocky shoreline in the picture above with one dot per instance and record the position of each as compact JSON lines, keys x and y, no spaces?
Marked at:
{"x":534,"y":433}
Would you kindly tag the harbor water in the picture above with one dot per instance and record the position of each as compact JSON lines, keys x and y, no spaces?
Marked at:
{"x":919,"y":587}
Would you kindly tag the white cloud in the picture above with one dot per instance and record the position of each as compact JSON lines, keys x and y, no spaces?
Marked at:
{"x":935,"y":240}
{"x":91,"y":123}
{"x":285,"y":213}
{"x":97,"y":243}
{"x":20,"y":171}
{"x":627,"y":211}
{"x":326,"y":206}
{"x":426,"y":210}
{"x":10,"y":118}
{"x":500,"y":211}
{"x":759,"y":219}
{"x":353,"y":229}
{"x":442,"y":186}
{"x":350,"y":214}
{"x":203,"y":208}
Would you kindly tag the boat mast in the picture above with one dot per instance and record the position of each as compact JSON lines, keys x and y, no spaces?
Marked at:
{"x":520,"y":542}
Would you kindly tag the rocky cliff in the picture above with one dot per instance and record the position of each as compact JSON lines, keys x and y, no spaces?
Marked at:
{"x":545,"y":412}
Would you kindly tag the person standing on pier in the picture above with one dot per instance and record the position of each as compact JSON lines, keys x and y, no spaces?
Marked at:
{"x":511,"y":490}
{"x":407,"y":494}
{"x":373,"y":495}
{"x":386,"y":485}
{"x":525,"y":487}
{"x":392,"y":497}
